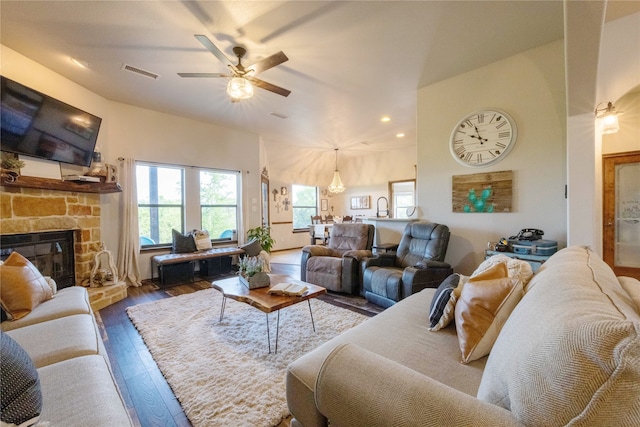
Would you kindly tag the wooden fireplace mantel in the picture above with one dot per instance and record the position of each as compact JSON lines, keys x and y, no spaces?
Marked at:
{"x":57,"y":184}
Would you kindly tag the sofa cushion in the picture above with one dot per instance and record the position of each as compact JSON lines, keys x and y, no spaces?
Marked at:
{"x":66,"y":302}
{"x":325,"y":271}
{"x":400,"y":334}
{"x":443,"y":303}
{"x":570,"y":351}
{"x":20,"y":394}
{"x":384,"y":281}
{"x":182,"y":243}
{"x":59,"y":339}
{"x":23,"y":287}
{"x":84,"y":394}
{"x":345,"y":237}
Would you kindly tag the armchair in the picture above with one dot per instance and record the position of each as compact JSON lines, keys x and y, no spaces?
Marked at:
{"x":418,"y":264}
{"x":335,"y":266}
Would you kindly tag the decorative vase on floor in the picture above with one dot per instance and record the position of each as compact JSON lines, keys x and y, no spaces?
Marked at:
{"x":258,"y":280}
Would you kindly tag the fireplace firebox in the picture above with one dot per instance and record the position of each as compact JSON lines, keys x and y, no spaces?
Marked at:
{"x":52,"y":252}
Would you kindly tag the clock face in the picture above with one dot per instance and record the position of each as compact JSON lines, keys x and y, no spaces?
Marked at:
{"x":483,"y":138}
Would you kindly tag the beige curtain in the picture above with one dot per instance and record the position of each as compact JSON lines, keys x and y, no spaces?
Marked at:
{"x":129,"y":251}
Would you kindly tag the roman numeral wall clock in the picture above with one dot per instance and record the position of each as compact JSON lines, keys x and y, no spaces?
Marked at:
{"x":482,"y":138}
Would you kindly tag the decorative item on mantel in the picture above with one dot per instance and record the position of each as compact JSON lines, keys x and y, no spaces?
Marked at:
{"x":10,"y":166}
{"x":104,"y":171}
{"x":250,"y":273}
{"x":103,"y":275}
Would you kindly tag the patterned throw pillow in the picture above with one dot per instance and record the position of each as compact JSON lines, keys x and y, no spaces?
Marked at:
{"x":443,"y":303}
{"x":20,"y":393}
{"x":203,"y":240}
{"x":183,"y":243}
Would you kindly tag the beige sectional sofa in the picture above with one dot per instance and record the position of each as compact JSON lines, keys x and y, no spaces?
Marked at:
{"x":62,"y":339}
{"x":568,"y":354}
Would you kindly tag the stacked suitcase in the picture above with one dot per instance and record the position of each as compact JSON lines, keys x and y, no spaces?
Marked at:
{"x":534,"y":247}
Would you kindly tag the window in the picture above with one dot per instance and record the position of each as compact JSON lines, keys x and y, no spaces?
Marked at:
{"x":219,"y":203}
{"x":168,"y":199}
{"x":304,"y":203}
{"x":160,"y":202}
{"x":402,"y":197}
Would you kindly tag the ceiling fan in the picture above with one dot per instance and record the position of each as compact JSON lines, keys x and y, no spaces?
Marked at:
{"x":241,"y":78}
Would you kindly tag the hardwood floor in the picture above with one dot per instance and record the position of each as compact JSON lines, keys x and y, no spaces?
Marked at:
{"x":147,"y":395}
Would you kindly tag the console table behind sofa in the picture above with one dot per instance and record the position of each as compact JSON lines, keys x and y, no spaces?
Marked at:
{"x":184,"y":263}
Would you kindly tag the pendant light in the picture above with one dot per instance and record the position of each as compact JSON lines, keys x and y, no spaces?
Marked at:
{"x":336,"y":185}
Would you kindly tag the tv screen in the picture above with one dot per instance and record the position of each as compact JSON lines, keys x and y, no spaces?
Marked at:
{"x":37,"y":125}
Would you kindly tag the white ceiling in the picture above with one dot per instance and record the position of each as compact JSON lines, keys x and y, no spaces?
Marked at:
{"x":349,"y":64}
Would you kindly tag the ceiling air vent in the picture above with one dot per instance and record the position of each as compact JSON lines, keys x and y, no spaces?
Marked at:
{"x":140,"y":71}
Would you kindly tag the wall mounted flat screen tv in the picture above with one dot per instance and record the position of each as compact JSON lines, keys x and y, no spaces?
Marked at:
{"x":35,"y":124}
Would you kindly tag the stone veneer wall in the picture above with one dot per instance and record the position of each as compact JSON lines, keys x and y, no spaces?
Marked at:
{"x":28,"y":210}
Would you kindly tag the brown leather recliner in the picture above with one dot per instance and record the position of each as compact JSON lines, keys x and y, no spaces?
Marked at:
{"x":336,"y":266}
{"x":418,"y":264}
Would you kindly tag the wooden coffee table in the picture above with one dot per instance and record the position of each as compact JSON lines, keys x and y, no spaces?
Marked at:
{"x":265,"y":302}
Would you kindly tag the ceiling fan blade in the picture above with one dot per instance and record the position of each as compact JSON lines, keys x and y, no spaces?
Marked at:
{"x":203,"y":75}
{"x":214,"y":49}
{"x":268,"y":86}
{"x":269,"y":62}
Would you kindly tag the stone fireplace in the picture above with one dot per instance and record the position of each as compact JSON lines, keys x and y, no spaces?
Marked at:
{"x":39,"y":206}
{"x":52,"y":252}
{"x":29,"y":210}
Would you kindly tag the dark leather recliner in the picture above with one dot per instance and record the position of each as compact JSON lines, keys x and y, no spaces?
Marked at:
{"x":336,"y":266}
{"x":418,"y":264}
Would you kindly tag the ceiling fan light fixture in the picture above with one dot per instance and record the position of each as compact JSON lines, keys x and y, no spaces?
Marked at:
{"x":336,"y":185}
{"x":240,"y":88}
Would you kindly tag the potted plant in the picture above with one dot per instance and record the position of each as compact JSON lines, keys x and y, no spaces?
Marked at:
{"x":11,"y":163}
{"x":263,"y":235}
{"x":250,"y":273}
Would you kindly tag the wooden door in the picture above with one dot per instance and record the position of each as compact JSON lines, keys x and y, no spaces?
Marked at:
{"x":621,"y":212}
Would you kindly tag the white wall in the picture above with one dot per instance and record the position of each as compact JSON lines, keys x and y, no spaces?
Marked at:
{"x":530,"y":87}
{"x":141,"y":134}
{"x":616,"y":70}
{"x":362,"y":174}
{"x":157,"y":137}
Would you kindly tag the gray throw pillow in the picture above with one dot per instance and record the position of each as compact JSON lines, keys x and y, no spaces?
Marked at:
{"x":183,"y":243}
{"x":252,"y":248}
{"x":441,"y":298}
{"x":20,"y":394}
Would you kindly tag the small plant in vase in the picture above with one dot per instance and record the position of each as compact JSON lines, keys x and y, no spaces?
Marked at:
{"x":250,"y":273}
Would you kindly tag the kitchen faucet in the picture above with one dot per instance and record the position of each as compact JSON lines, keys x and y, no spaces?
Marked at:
{"x":381,"y":211}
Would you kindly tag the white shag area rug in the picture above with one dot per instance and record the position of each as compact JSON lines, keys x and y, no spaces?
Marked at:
{"x":221,"y":372}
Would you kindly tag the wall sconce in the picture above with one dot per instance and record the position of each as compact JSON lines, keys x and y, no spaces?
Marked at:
{"x":609,"y":117}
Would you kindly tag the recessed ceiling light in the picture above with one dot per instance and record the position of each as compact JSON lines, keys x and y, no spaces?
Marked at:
{"x":80,"y":62}
{"x":400,"y":135}
{"x":385,"y":119}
